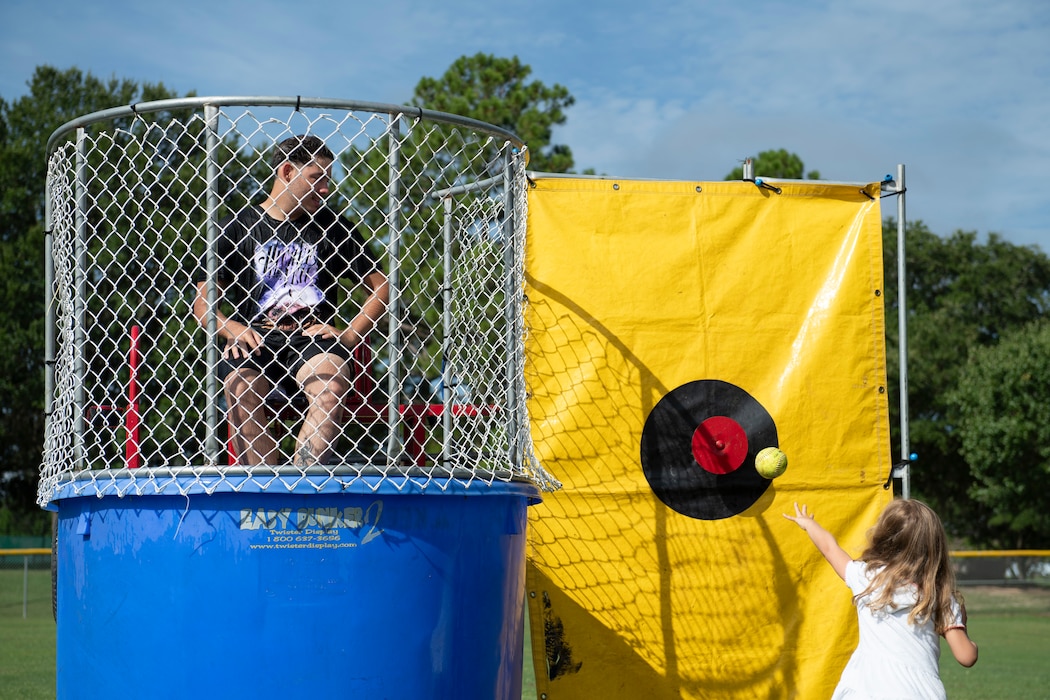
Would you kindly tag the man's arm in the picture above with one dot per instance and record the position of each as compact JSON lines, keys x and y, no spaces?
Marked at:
{"x":371,"y":311}
{"x":824,"y":540}
{"x":240,"y":339}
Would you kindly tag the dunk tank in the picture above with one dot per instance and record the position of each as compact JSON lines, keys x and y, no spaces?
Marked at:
{"x":394,"y":568}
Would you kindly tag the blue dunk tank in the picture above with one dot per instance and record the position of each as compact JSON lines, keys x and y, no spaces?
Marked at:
{"x":361,"y":537}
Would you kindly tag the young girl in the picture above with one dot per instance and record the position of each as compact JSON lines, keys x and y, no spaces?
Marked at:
{"x":904,"y":589}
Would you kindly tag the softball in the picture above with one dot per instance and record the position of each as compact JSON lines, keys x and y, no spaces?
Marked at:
{"x":771,"y":462}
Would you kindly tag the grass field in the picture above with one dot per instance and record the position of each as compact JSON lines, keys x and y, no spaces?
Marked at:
{"x":1012,"y":629}
{"x":1011,"y":626}
{"x":27,"y":646}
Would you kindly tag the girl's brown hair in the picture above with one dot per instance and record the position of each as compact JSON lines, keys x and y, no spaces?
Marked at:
{"x":908,"y":547}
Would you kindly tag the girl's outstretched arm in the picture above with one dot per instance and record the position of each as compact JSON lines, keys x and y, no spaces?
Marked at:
{"x":824,"y":540}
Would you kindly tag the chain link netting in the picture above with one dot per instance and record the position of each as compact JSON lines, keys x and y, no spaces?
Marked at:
{"x":140,"y":205}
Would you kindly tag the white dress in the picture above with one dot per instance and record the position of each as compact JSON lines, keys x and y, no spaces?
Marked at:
{"x":893,"y":660}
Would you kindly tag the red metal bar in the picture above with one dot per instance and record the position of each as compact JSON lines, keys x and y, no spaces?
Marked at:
{"x":132,"y":418}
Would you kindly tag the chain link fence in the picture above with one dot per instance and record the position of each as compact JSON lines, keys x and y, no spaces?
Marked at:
{"x":149,"y":278}
{"x":1002,"y":567}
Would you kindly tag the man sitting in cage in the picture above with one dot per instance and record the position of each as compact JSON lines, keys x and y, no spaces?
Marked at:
{"x":279,"y":266}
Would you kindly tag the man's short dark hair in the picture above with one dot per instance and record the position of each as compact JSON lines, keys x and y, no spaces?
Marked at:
{"x":300,"y":150}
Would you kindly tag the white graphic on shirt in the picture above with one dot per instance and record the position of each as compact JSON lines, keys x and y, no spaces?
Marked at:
{"x":287,"y":273}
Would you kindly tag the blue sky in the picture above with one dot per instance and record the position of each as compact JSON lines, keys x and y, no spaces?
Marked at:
{"x":957,"y":90}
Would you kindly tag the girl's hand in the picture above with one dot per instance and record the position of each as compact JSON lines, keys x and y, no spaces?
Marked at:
{"x":824,"y":540}
{"x":802,"y":517}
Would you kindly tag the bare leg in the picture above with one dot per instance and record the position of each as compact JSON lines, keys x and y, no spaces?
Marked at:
{"x":246,"y":391}
{"x":324,"y":380}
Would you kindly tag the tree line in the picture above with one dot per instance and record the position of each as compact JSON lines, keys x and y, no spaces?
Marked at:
{"x":978,"y":347}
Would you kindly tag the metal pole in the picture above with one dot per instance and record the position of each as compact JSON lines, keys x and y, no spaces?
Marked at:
{"x":212,"y":445}
{"x":80,"y":298}
{"x":395,"y":354}
{"x":748,"y":169}
{"x":902,"y":326}
{"x":50,"y":321}
{"x":446,"y":322}
{"x":512,"y":310}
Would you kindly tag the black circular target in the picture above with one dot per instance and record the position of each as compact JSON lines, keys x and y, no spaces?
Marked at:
{"x":698,"y":449}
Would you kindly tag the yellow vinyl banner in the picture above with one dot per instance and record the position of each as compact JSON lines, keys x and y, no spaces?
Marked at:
{"x":674,"y":330}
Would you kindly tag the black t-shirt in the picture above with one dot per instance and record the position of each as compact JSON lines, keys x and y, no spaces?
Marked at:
{"x":271,"y":268}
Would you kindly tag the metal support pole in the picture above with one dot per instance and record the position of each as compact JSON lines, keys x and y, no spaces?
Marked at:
{"x":446,"y":324}
{"x":50,"y":315}
{"x":902,"y":326}
{"x":80,"y":337}
{"x":395,"y":447}
{"x":512,"y":310}
{"x":213,"y":449}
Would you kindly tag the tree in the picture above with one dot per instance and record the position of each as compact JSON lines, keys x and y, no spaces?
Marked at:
{"x":495,"y":90}
{"x":776,"y":164}
{"x":961,"y":295}
{"x":55,"y":98}
{"x":433,"y":156}
{"x":1001,"y":406}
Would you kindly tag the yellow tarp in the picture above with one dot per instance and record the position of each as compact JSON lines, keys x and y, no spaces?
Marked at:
{"x":640,"y":289}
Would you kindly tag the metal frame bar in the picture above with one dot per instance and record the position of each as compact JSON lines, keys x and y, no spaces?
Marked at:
{"x":902,"y":343}
{"x":79,"y":303}
{"x":512,"y":318}
{"x":272,"y":101}
{"x":50,"y":316}
{"x":214,"y":449}
{"x":395,"y":446}
{"x":446,"y":321}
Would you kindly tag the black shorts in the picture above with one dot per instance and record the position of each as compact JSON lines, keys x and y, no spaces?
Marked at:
{"x":282,"y":355}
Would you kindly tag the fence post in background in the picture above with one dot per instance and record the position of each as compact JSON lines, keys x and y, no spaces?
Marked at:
{"x":25,"y":586}
{"x":27,"y":554}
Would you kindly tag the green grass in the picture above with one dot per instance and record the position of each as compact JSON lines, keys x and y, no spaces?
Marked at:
{"x":1012,"y":629}
{"x":1010,"y":625}
{"x":27,"y":646}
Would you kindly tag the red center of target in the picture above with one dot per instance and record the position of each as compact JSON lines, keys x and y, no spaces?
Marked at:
{"x":719,"y":445}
